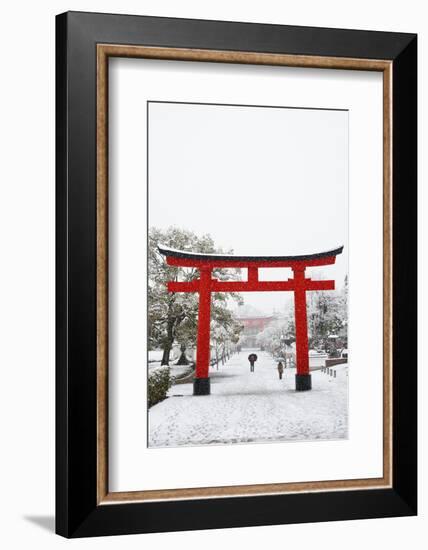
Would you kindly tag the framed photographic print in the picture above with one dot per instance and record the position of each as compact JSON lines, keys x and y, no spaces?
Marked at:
{"x":236,"y":274}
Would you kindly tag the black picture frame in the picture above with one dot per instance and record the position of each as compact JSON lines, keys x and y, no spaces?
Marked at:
{"x":77,"y":512}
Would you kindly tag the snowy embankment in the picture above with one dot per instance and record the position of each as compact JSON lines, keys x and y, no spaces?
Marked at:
{"x":176,"y":371}
{"x":252,"y":407}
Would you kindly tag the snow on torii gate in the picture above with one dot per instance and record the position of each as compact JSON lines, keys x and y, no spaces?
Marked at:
{"x":205,"y":285}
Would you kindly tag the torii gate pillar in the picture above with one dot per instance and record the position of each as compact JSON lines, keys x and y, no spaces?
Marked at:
{"x":201,"y":383}
{"x":303,"y":377}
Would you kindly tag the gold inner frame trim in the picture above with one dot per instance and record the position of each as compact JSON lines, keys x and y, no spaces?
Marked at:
{"x":104,"y":51}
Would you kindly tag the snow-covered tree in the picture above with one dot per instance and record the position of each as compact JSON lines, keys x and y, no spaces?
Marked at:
{"x":327,"y":314}
{"x":343,"y":307}
{"x":225,"y":331}
{"x":173,"y":316}
{"x":273,"y":336}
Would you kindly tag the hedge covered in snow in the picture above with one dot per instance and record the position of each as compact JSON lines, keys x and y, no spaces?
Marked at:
{"x":158,"y":385}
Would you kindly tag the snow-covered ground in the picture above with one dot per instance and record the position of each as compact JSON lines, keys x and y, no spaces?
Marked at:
{"x":176,"y":371}
{"x":155,"y":355}
{"x":252,"y":407}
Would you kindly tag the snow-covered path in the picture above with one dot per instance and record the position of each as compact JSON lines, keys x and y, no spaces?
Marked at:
{"x":251,"y":407}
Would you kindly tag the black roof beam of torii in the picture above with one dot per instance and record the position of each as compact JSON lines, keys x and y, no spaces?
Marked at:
{"x":185,"y":258}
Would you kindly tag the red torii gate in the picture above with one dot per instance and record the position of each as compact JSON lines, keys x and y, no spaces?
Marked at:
{"x":205,"y":285}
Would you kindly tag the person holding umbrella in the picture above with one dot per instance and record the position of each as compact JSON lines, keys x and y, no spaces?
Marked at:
{"x":252,"y":358}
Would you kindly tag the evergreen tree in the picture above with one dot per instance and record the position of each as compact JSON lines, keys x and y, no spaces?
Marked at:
{"x":173,"y":315}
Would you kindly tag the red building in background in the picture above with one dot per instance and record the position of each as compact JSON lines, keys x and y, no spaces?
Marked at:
{"x":253,"y":325}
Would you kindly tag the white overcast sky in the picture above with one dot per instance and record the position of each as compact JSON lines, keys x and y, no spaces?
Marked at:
{"x":259,"y":180}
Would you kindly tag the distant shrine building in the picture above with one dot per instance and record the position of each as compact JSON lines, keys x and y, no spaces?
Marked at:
{"x":253,"y":326}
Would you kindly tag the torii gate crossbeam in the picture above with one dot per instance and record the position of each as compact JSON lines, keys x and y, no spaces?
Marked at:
{"x":205,"y":285}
